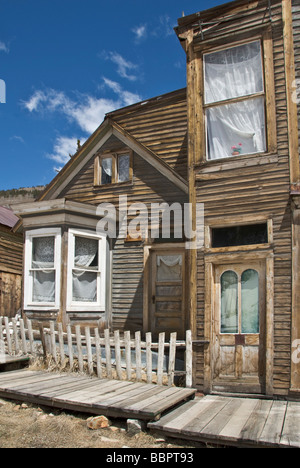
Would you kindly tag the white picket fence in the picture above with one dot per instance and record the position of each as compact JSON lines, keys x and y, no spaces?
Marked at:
{"x":124,"y":356}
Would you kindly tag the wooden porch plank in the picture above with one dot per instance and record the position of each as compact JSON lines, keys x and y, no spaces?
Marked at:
{"x":256,"y":422}
{"x":148,"y":402}
{"x":291,"y":428}
{"x":15,"y":375}
{"x":214,"y":406}
{"x":232,"y":429}
{"x":26,"y":381}
{"x":135,"y":389}
{"x":103,"y":396}
{"x":215,"y":426}
{"x":272,"y":431}
{"x":137,"y":398}
{"x":168,"y":399}
{"x":100,"y":390}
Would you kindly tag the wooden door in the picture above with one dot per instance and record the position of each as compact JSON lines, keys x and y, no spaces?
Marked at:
{"x":167,"y":308}
{"x":239,"y":328}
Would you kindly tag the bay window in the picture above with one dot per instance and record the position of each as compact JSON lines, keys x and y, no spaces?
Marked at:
{"x":86,"y":271}
{"x":42,"y":269}
{"x":234,"y":101}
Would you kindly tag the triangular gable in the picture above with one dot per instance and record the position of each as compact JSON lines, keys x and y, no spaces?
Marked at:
{"x":108,"y":128}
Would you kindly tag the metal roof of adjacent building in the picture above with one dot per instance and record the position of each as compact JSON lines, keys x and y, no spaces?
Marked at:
{"x":7,"y":217}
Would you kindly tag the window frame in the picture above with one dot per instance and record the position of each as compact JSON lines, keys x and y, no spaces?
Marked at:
{"x":210,"y":46}
{"x":234,"y":100}
{"x":29,"y":304}
{"x":114,"y":156}
{"x":99,"y":305}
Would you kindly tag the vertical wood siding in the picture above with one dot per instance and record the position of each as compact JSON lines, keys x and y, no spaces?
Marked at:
{"x":296,"y":34}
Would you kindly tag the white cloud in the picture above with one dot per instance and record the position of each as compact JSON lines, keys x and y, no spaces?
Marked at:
{"x":64,"y":147}
{"x":86,"y":111}
{"x":127,"y":98}
{"x":140,"y":32}
{"x":4,"y":47}
{"x":124,"y":67}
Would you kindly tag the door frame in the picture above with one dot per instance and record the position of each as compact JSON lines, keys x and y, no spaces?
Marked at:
{"x":147,"y":283}
{"x":211,"y":261}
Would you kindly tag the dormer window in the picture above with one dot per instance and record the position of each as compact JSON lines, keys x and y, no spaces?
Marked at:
{"x":234,"y":101}
{"x":113,"y":169}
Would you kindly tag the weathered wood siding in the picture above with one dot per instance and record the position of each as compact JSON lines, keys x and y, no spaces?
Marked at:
{"x":11,"y":260}
{"x":162,"y":128}
{"x":148,"y":186}
{"x":260,"y":189}
{"x":296,"y":34}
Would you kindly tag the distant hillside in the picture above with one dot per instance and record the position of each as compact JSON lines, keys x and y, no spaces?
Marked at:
{"x":12,"y":196}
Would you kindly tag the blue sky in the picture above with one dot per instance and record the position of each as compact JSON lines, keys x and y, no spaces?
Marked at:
{"x":66,"y":63}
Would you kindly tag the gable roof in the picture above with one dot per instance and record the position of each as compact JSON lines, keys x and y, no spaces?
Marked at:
{"x":110,"y":127}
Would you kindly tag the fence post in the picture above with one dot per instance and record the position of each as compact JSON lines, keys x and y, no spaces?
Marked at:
{"x":138,"y":356}
{"x":8,"y":338}
{"x":107,"y":353}
{"x":127,"y":354}
{"x":70,"y":346}
{"x":149,"y":357}
{"x":160,"y":359}
{"x":189,"y":360}
{"x":89,"y":350}
{"x":118,"y":354}
{"x":79,"y":347}
{"x":172,"y":356}
{"x":98,"y":353}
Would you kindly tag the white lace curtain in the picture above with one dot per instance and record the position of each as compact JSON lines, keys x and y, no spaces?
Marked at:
{"x":85,"y":282}
{"x":229,"y":74}
{"x":43,"y":269}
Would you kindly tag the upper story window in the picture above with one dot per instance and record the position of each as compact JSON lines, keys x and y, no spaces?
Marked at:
{"x":113,"y":169}
{"x":234,"y":101}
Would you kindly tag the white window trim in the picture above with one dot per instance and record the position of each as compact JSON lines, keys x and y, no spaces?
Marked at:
{"x":28,"y":280}
{"x":98,"y":306}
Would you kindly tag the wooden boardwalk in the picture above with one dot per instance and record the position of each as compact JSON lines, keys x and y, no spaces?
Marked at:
{"x":114,"y":398}
{"x":240,"y":422}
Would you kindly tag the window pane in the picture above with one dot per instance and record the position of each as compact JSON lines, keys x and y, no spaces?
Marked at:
{"x":233,"y":72}
{"x":234,"y":129}
{"x":240,"y":235}
{"x":169,"y":268}
{"x":106,"y":171}
{"x":250,"y":302}
{"x":86,"y":252}
{"x":123,"y":167}
{"x":84,"y":286}
{"x":43,"y":286}
{"x":229,"y":302}
{"x":43,"y":252}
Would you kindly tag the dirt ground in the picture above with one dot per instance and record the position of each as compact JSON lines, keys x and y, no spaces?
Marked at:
{"x":28,"y":426}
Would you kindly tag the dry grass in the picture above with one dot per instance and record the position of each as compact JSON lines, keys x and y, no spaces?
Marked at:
{"x":27,"y":426}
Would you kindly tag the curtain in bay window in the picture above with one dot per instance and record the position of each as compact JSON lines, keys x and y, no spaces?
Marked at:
{"x":85,"y":270}
{"x":43,"y":269}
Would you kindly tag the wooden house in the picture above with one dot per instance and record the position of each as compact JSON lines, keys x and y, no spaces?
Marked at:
{"x":243,"y":160}
{"x":11,"y":260}
{"x":229,"y":143}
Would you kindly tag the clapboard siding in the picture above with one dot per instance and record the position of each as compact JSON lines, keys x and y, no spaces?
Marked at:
{"x":229,"y":193}
{"x":127,"y":275}
{"x":163,"y":129}
{"x":11,"y":261}
{"x":296,"y":34}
